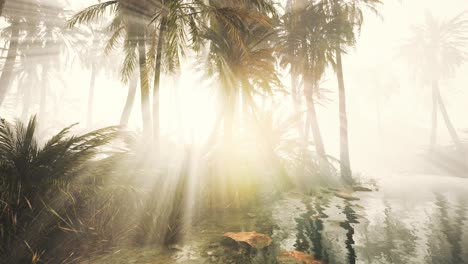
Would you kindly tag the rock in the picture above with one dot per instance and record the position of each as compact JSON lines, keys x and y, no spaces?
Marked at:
{"x":361,"y":189}
{"x":346,"y":196}
{"x":297,"y":257}
{"x":251,"y":215}
{"x":253,"y":239}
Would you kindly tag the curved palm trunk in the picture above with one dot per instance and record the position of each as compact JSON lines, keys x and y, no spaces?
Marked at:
{"x":129,"y":102}
{"x":7,"y":74}
{"x":312,"y":116}
{"x":434,"y":116}
{"x":345,"y":165}
{"x":447,"y":121}
{"x":89,"y":118}
{"x":145,"y":93}
{"x":157,"y":81}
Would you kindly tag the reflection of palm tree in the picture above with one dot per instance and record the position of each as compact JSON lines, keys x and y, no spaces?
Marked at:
{"x":389,"y":240}
{"x":448,"y":229}
{"x":436,"y":50}
{"x":351,"y":218}
{"x":310,"y":227}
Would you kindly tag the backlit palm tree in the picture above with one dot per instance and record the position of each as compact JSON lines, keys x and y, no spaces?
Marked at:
{"x":435,"y":51}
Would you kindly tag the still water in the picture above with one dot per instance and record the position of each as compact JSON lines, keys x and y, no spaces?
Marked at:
{"x":406,"y":218}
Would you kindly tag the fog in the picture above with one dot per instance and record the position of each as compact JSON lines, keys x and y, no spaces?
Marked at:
{"x":248,"y":132}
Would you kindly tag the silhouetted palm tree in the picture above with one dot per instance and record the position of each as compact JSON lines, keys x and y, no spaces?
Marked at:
{"x":435,"y":51}
{"x":17,"y":14}
{"x":347,"y":19}
{"x":241,"y":55}
{"x":129,"y":22}
{"x":306,"y":46}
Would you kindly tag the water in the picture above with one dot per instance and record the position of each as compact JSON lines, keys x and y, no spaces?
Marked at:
{"x":410,"y":219}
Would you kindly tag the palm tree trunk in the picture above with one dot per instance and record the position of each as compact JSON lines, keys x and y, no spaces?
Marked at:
{"x":89,"y":118}
{"x":2,"y":4}
{"x":345,"y":165}
{"x":448,"y":122}
{"x":312,"y":115}
{"x":157,"y":81}
{"x":7,"y":74}
{"x":129,"y":102}
{"x":145,"y":93}
{"x":434,"y":116}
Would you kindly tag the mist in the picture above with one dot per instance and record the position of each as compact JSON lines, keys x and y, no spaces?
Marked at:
{"x":219,"y":131}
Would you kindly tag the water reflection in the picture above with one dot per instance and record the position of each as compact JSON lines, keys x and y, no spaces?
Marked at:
{"x":334,"y":230}
{"x":347,"y":225}
{"x":310,"y":228}
{"x":445,"y":241}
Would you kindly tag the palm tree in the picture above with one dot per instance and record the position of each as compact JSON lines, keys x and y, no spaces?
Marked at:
{"x":129,"y":21}
{"x":435,"y":51}
{"x":17,"y":13}
{"x":171,"y":20}
{"x":306,"y":47}
{"x":28,"y":171}
{"x":90,"y":47}
{"x":127,"y":110}
{"x":241,"y":55}
{"x":348,"y":19}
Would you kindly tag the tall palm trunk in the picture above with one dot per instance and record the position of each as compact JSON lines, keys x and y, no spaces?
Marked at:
{"x":157,"y":81}
{"x":145,"y":92}
{"x":448,"y":122}
{"x":345,"y":165}
{"x":2,"y":4}
{"x":132,"y":88}
{"x":434,"y":116}
{"x":312,"y":116}
{"x":7,"y":74}
{"x":89,"y":118}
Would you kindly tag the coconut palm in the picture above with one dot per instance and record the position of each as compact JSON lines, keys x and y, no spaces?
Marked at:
{"x":241,"y":55}
{"x":17,"y":14}
{"x":129,"y":22}
{"x":435,"y":51}
{"x":348,"y":18}
{"x":90,"y":47}
{"x":306,"y":47}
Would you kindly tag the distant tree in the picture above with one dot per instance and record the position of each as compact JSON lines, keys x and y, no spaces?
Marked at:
{"x":16,"y":13}
{"x":435,"y":50}
{"x":129,"y":20}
